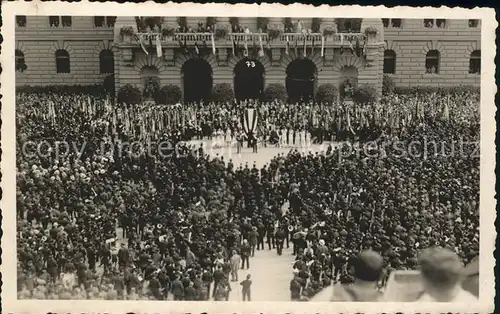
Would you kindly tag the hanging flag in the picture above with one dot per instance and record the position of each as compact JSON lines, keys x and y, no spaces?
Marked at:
{"x":250,"y":121}
{"x":322,"y":46}
{"x":352,"y":48}
{"x":260,"y":43}
{"x":305,"y":51}
{"x":213,"y":43}
{"x":245,"y":53}
{"x":287,"y":47}
{"x":341,"y":44}
{"x":349,"y":121}
{"x":358,"y":49}
{"x":185,"y":46}
{"x":196,"y":48}
{"x":159,"y":49}
{"x":140,"y":40}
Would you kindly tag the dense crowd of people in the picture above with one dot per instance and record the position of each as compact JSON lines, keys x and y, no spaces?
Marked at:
{"x":188,"y":222}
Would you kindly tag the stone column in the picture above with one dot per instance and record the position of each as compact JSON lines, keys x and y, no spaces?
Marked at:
{"x":374,"y":54}
{"x":122,"y":21}
{"x":123,"y":57}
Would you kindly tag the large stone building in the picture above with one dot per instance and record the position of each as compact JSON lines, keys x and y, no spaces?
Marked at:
{"x":84,"y":50}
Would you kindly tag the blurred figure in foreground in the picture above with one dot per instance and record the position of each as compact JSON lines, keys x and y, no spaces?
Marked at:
{"x":442,"y":275}
{"x":367,"y":268}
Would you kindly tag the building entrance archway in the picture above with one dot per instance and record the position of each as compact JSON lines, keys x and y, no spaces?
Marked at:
{"x":197,"y":80}
{"x":248,"y":79}
{"x":301,"y":77}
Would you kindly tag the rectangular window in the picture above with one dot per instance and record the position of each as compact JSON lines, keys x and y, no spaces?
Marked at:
{"x":21,"y":20}
{"x":396,"y":23}
{"x":99,"y":21}
{"x":66,"y":21}
{"x":429,"y":23}
{"x":441,"y":23}
{"x":473,"y":23}
{"x":54,"y":21}
{"x":110,"y":21}
{"x":385,"y":22}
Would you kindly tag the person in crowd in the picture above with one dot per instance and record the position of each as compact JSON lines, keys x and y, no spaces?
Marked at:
{"x":295,"y":287}
{"x":245,"y":288}
{"x":235,"y":265}
{"x":178,"y":202}
{"x":246,"y":251}
{"x":442,"y":274}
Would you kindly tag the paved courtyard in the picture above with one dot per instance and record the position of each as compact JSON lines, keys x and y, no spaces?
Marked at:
{"x":261,"y":158}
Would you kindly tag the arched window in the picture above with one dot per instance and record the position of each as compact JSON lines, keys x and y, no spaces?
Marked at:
{"x":62,"y":61}
{"x":475,"y":62}
{"x":432,"y":62}
{"x":106,"y":62}
{"x":20,"y":63}
{"x":389,"y":62}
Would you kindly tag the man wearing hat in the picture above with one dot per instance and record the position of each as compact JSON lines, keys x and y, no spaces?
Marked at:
{"x":442,"y":274}
{"x":367,"y":267}
{"x":253,"y":235}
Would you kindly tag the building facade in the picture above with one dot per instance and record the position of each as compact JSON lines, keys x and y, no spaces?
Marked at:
{"x":84,"y":50}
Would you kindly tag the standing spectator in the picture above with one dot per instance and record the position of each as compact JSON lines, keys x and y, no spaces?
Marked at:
{"x":245,"y":254}
{"x":235,"y":265}
{"x":245,"y":290}
{"x":253,"y":236}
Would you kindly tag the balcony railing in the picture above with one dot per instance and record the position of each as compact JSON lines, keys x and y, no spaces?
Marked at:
{"x":192,"y":38}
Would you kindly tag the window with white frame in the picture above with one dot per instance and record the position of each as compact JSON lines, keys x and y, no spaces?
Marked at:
{"x":389,"y":62}
{"x":473,"y":23}
{"x":104,"y":21}
{"x":106,"y":62}
{"x":54,"y":21}
{"x":20,"y":63}
{"x":392,"y":23}
{"x":62,"y":61}
{"x":66,"y":21}
{"x":432,"y":62}
{"x":475,"y":62}
{"x":434,"y":23}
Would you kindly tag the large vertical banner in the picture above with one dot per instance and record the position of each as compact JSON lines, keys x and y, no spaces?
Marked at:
{"x":250,"y":120}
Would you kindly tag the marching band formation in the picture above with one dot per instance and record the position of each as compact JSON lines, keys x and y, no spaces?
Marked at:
{"x":188,"y":223}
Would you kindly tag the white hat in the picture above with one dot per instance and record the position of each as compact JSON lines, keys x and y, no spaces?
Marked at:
{"x":321,"y":242}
